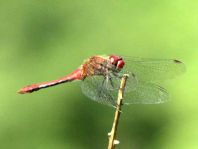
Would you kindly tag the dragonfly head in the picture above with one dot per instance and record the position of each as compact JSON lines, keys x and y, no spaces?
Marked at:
{"x":117,"y":61}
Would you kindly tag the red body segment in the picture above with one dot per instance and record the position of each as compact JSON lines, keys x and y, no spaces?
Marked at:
{"x":95,"y":65}
{"x":75,"y":75}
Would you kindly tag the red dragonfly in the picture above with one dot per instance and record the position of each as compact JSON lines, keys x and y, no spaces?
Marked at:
{"x":101,"y":75}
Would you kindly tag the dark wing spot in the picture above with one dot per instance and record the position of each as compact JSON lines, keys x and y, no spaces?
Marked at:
{"x":177,"y":61}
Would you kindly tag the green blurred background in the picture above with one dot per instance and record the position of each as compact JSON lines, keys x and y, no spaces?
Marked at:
{"x":44,"y":40}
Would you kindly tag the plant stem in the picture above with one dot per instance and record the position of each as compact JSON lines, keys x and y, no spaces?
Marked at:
{"x":112,"y":135}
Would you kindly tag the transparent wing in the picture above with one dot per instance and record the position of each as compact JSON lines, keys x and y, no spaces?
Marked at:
{"x":113,"y":81}
{"x":95,"y":88}
{"x":146,"y":93}
{"x":98,"y":89}
{"x":104,"y":89}
{"x":153,"y":69}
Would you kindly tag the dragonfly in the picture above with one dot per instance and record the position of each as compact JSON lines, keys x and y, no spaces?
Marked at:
{"x":100,"y":78}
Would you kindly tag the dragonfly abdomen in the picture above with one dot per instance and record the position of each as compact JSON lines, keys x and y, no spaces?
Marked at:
{"x":75,"y":75}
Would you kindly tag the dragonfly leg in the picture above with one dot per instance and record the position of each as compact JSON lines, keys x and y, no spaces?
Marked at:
{"x":117,"y":75}
{"x":106,"y":94}
{"x":110,"y":79}
{"x":100,"y":91}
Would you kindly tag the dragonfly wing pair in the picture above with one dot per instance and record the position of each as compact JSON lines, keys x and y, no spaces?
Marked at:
{"x":142,"y":85}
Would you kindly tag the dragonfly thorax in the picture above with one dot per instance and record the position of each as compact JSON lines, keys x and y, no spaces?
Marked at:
{"x":98,"y":65}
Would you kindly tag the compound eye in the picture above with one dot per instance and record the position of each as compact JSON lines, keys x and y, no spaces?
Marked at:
{"x":112,"y":60}
{"x":120,"y":64}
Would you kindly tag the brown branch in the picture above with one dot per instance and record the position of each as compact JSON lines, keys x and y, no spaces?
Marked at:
{"x":112,"y":134}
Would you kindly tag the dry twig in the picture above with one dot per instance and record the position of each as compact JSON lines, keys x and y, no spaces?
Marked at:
{"x":112,"y":134}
